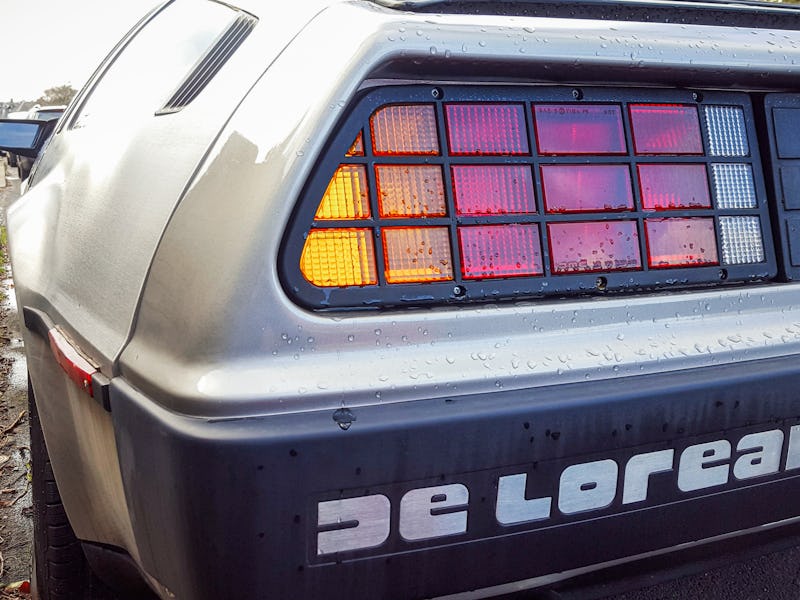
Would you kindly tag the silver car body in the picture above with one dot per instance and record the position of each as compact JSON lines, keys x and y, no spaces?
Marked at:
{"x":153,"y":241}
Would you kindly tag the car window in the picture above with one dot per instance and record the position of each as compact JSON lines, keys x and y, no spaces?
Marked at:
{"x":46,"y":115}
{"x":153,"y":64}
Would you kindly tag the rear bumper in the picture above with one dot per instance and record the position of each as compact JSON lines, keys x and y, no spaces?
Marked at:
{"x":230,"y":508}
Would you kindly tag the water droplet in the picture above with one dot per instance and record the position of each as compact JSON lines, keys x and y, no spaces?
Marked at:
{"x":350,"y":338}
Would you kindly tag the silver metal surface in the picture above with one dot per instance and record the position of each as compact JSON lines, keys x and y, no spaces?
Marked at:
{"x":83,"y":452}
{"x":218,"y":336}
{"x":154,"y":243}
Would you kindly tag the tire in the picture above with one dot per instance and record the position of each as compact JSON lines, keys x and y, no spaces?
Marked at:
{"x":61,"y":571}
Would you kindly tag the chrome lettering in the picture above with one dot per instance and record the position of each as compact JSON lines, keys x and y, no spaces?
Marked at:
{"x":793,"y":454}
{"x":767,"y":456}
{"x":364,"y":523}
{"x":587,"y":486}
{"x":420,"y":512}
{"x":512,"y":507}
{"x":638,"y":471}
{"x":693,"y":474}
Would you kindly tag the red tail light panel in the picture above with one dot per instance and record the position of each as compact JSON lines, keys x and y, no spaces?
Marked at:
{"x":489,"y":193}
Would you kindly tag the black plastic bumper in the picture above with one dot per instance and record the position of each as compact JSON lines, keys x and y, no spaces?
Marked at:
{"x":229,"y":508}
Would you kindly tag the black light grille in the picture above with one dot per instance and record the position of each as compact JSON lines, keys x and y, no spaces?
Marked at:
{"x":411,"y":231}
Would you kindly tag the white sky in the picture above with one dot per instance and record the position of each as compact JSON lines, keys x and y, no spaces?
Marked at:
{"x":45,"y":43}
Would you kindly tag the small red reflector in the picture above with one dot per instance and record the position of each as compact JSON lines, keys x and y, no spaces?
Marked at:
{"x":680,"y":242}
{"x":665,"y":129}
{"x":493,"y":251}
{"x":573,"y":129}
{"x":77,"y":368}
{"x":584,"y":188}
{"x":594,"y":246}
{"x":481,"y":129}
{"x":674,"y":186}
{"x":493,"y":189}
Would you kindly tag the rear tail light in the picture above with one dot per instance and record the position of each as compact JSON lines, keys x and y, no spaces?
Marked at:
{"x":494,"y":251}
{"x":410,"y":190}
{"x":533,"y":193}
{"x":417,"y":254}
{"x":339,"y":257}
{"x":591,"y":247}
{"x":665,"y":129}
{"x":586,"y":188}
{"x":680,"y":242}
{"x":665,"y":187}
{"x":357,"y":147}
{"x":727,"y":135}
{"x":493,"y":189}
{"x":477,"y":129}
{"x":404,"y":129}
{"x":734,"y":186}
{"x":579,"y":129}
{"x":741,"y":240}
{"x":346,"y":195}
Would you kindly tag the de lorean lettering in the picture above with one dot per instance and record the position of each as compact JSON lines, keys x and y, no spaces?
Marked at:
{"x":426,"y":513}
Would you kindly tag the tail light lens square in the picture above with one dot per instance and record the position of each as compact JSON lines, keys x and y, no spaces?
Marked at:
{"x":586,"y":188}
{"x":494,"y":251}
{"x":410,"y":190}
{"x":666,"y":187}
{"x":403,"y":129}
{"x":417,"y":254}
{"x":579,"y":129}
{"x":588,"y":247}
{"x":493,"y":189}
{"x":665,"y":129}
{"x":486,"y":129}
{"x":681,"y":242}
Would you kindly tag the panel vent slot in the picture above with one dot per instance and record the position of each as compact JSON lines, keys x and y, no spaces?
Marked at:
{"x":210,"y":64}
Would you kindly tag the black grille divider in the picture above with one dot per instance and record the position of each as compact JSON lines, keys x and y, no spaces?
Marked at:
{"x":515,"y":288}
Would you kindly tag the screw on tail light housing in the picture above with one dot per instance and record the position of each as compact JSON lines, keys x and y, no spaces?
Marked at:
{"x":490,"y":193}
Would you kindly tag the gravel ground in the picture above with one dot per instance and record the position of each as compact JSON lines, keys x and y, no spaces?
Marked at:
{"x":16,"y":522}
